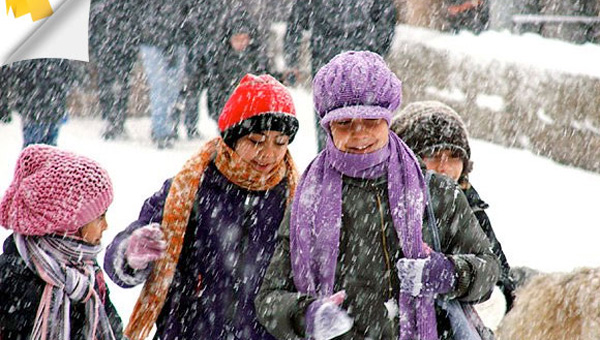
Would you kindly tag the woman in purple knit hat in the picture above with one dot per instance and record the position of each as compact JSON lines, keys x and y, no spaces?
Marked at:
{"x":352,"y":260}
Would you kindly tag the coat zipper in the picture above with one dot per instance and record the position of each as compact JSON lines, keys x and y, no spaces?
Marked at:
{"x":385,"y":248}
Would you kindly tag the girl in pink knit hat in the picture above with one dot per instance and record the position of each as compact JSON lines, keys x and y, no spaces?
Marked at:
{"x":51,"y":286}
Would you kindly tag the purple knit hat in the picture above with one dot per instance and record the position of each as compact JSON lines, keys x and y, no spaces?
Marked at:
{"x":356,"y":84}
{"x":54,"y":192}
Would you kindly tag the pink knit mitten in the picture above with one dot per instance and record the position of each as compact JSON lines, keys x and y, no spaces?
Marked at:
{"x":146,"y":245}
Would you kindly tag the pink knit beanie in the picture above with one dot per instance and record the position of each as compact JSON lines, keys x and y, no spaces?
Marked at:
{"x":54,"y":192}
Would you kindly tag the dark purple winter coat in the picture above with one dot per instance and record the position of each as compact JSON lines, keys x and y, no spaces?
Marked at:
{"x":228,"y":245}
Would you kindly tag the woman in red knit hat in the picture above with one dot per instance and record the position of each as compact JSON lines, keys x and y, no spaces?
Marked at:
{"x":51,"y":286}
{"x":202,"y":243}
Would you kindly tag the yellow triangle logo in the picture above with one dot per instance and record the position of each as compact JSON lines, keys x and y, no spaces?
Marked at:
{"x":39,"y":9}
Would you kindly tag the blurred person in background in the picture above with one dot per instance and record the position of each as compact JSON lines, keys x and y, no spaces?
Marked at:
{"x":5,"y":114}
{"x":113,"y":51}
{"x":237,"y":45}
{"x":40,"y":88}
{"x":337,"y":26}
{"x":472,"y":15}
{"x":164,"y":54}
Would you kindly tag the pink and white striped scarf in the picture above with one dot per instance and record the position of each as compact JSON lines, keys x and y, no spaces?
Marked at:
{"x":67,"y":267}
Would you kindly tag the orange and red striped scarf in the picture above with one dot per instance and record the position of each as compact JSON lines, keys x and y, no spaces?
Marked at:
{"x":177,"y":210}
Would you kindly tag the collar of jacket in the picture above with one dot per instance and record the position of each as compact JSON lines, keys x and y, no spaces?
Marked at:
{"x":376,"y":184}
{"x":475,"y":200}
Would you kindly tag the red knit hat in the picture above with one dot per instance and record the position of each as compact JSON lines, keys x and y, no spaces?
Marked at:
{"x":54,"y":192}
{"x":259,"y":103}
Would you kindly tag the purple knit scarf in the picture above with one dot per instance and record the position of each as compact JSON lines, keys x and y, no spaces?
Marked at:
{"x":316,"y":220}
{"x":67,"y":267}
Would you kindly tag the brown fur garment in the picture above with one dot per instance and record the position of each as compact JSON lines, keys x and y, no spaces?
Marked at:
{"x":555,"y":306}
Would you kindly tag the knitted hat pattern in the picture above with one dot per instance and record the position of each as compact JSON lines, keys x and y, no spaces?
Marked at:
{"x":356,"y":84}
{"x":430,"y":126}
{"x":54,"y":192}
{"x":259,"y":103}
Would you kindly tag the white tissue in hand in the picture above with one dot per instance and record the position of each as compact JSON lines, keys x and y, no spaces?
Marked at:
{"x":331,"y":321}
{"x":410,"y":273}
{"x":391,"y":306}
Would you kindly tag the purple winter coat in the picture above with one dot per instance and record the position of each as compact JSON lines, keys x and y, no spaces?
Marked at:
{"x":228,"y":245}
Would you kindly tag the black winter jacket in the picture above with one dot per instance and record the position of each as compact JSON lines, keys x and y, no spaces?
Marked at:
{"x":225,"y":66}
{"x":113,"y":36}
{"x":5,"y":106}
{"x":505,"y":281}
{"x":338,"y":26}
{"x":164,"y":24}
{"x":40,"y":88}
{"x":20,"y":292}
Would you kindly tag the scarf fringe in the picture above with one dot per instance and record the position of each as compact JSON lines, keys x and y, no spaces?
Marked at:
{"x":67,"y":268}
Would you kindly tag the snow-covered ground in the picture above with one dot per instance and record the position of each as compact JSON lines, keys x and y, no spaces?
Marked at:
{"x":528,"y":49}
{"x":545,"y":214}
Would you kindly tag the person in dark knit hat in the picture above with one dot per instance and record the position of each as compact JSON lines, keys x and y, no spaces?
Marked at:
{"x":51,"y":286}
{"x":430,"y":128}
{"x":437,"y":134}
{"x":351,"y":262}
{"x":202,"y":243}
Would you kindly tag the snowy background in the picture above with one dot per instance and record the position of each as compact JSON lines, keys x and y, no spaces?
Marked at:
{"x":544,"y":214}
{"x":528,"y":49}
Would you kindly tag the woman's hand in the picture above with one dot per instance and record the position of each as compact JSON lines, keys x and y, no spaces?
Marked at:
{"x":325,"y":319}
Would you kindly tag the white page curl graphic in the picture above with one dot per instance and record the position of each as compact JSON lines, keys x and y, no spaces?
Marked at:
{"x":32,"y":29}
